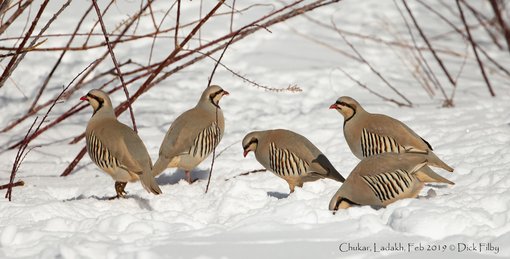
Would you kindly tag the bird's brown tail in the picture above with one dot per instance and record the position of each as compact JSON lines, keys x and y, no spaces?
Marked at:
{"x":149,"y":183}
{"x":427,"y":175}
{"x":435,"y":161}
{"x":335,"y":175}
{"x":160,"y":166}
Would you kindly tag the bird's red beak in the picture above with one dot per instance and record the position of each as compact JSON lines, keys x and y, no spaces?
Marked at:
{"x":84,"y":98}
{"x":225,"y":92}
{"x":245,"y":153}
{"x":333,"y":106}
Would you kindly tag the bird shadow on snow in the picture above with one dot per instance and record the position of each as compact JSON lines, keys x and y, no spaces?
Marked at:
{"x":142,"y":203}
{"x":437,"y":186}
{"x":278,"y":195}
{"x":176,"y":176}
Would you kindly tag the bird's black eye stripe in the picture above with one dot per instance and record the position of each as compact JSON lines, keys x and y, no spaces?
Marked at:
{"x":98,"y":99}
{"x":213,"y":95}
{"x":346,"y":104}
{"x":252,"y":141}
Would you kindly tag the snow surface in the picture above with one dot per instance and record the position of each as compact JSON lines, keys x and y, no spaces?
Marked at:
{"x":253,"y":216}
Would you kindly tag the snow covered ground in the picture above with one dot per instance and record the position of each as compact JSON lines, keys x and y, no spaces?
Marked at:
{"x":253,"y":216}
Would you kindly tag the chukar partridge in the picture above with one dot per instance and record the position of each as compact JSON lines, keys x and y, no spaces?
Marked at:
{"x":193,"y":135}
{"x":383,"y":179}
{"x":116,"y":148}
{"x":289,"y":156}
{"x":369,"y":134}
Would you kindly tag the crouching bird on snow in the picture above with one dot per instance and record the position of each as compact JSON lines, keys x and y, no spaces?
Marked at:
{"x":383,"y":179}
{"x":193,"y":135}
{"x":369,"y":134}
{"x":116,"y":148}
{"x":290,"y":156}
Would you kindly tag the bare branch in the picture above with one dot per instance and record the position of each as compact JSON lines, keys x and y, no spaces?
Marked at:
{"x":409,"y":103}
{"x":480,"y":63}
{"x":119,"y":73}
{"x":425,"y":39}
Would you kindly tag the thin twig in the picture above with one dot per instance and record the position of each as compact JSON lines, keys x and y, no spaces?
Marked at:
{"x":14,"y":60}
{"x":232,"y":15}
{"x":370,"y":90}
{"x":81,"y":82}
{"x":502,"y":24}
{"x":90,"y":33}
{"x":16,"y":163}
{"x":289,"y":88}
{"x":119,"y":73}
{"x":9,"y":185}
{"x":176,"y":40}
{"x":432,"y":50}
{"x":409,"y":103}
{"x":422,"y":60}
{"x":158,"y":29}
{"x":459,"y":31}
{"x":50,"y":75}
{"x":29,"y":137}
{"x":37,"y":132}
{"x":208,"y":84}
{"x":483,"y":21}
{"x":480,"y":63}
{"x":16,"y":14}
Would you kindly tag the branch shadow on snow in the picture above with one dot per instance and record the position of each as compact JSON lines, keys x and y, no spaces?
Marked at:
{"x":177,"y":175}
{"x":142,"y":203}
{"x":278,"y":195}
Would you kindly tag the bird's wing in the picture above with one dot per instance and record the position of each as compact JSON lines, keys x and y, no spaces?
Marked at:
{"x":183,"y":131}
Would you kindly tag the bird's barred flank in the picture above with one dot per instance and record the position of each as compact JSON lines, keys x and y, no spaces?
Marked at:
{"x":285,"y":163}
{"x":206,"y":141}
{"x":100,"y":154}
{"x":390,"y":185}
{"x":373,"y":144}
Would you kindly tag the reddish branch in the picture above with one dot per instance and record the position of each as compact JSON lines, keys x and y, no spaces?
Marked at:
{"x":59,"y":60}
{"x":9,"y":185}
{"x":272,"y":18}
{"x":15,"y":15}
{"x":81,"y":82}
{"x":484,"y":22}
{"x":9,"y":68}
{"x":115,"y":63}
{"x":480,"y":63}
{"x":176,"y":40}
{"x":29,"y":137}
{"x":502,"y":24}
{"x":459,"y":31}
{"x":96,"y":23}
{"x":17,"y":162}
